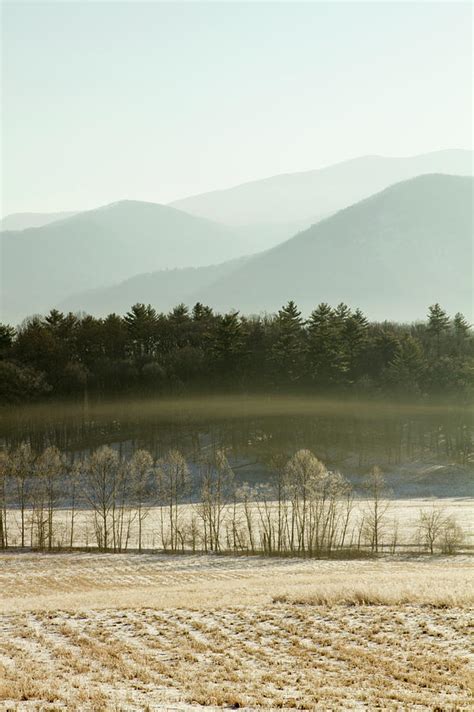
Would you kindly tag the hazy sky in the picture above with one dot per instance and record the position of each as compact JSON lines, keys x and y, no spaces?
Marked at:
{"x":156,"y":101}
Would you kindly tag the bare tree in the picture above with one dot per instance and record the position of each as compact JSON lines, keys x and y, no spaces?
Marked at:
{"x":4,"y":477}
{"x":123,"y":513}
{"x":74,"y":473}
{"x":140,"y":468}
{"x":101,"y":475}
{"x":174,"y":481}
{"x":307,"y":485}
{"x":22,"y":462}
{"x":216,"y":490}
{"x":430,"y":525}
{"x":376,"y":507}
{"x":277,"y":465}
{"x":452,"y":536}
{"x":301,"y":473}
{"x":49,"y":467}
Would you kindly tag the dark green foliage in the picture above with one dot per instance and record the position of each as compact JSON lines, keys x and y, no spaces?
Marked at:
{"x":7,"y":336}
{"x":287,"y":355}
{"x":438,"y":322}
{"x":335,"y":350}
{"x":227,"y":349}
{"x":327,"y":360}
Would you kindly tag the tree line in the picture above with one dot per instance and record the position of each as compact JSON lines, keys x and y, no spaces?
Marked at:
{"x":304,"y":510}
{"x":334,"y":350}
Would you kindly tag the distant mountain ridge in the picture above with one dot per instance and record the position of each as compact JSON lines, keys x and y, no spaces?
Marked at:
{"x":42,"y":266}
{"x":164,"y":288}
{"x":392,"y":254}
{"x":98,"y":250}
{"x":308,"y":195}
{"x":23,"y":221}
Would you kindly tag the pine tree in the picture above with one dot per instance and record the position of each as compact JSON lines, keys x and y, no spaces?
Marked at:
{"x":438,"y":322}
{"x":201,"y":312}
{"x":326,"y":359}
{"x":288,"y":351}
{"x":7,"y":337}
{"x":141,"y":322}
{"x":461,"y":331}
{"x":355,"y":333}
{"x":404,"y":374}
{"x":227,"y":347}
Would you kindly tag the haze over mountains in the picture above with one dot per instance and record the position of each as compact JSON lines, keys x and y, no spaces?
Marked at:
{"x":42,"y":266}
{"x":165,"y":288}
{"x":22,"y":221}
{"x":308,"y":196}
{"x":392,"y":254}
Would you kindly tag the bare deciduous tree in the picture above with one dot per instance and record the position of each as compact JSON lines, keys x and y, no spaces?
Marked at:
{"x":452,"y":536}
{"x":140,"y":468}
{"x":49,"y":468}
{"x":101,"y":475}
{"x":4,"y":473}
{"x":22,"y":462}
{"x":430,"y":526}
{"x":173,"y":480}
{"x":216,"y":490}
{"x":377,"y":505}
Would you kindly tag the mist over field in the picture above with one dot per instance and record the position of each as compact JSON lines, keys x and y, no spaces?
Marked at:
{"x":236,"y":356}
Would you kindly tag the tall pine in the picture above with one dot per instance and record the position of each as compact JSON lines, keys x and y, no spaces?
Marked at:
{"x":288,"y":351}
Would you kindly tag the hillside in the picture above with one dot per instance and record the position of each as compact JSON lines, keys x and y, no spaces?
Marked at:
{"x":22,"y":221}
{"x":305,"y":197}
{"x":164,"y":289}
{"x":42,"y":266}
{"x":392,"y":255}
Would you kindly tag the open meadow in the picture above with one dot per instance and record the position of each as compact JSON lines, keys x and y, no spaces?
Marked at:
{"x":92,"y":631}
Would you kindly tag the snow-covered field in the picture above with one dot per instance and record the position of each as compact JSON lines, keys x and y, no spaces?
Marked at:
{"x":146,"y":632}
{"x":401,"y":515}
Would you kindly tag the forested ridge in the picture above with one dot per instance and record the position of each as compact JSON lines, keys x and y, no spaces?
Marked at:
{"x":191,"y":351}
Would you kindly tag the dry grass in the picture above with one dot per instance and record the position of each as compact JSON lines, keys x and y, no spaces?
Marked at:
{"x":130,"y":632}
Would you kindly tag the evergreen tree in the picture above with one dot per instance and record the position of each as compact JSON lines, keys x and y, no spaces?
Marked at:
{"x":355,"y":332}
{"x":383,"y":349}
{"x":116,"y":336}
{"x":461,"y":330}
{"x":404,"y":374}
{"x":438,"y":322}
{"x":201,"y":312}
{"x":227,"y":348}
{"x":7,"y":337}
{"x":141,"y":322}
{"x":179,"y":323}
{"x":288,"y":352}
{"x":327,"y":362}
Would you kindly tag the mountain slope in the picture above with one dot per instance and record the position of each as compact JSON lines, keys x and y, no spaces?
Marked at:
{"x":392,"y":254}
{"x":42,"y":266}
{"x":164,"y":289}
{"x":307,"y":196}
{"x":22,"y":221}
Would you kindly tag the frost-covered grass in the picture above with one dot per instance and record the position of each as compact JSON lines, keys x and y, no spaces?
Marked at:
{"x":401,"y":515}
{"x":137,"y":632}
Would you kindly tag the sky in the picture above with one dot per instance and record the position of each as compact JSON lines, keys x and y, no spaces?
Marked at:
{"x":104,"y":101}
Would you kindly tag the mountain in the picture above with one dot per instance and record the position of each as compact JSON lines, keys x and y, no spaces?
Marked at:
{"x":392,"y":255}
{"x":305,"y":197}
{"x":22,"y":221}
{"x":164,"y":289}
{"x":42,"y":266}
